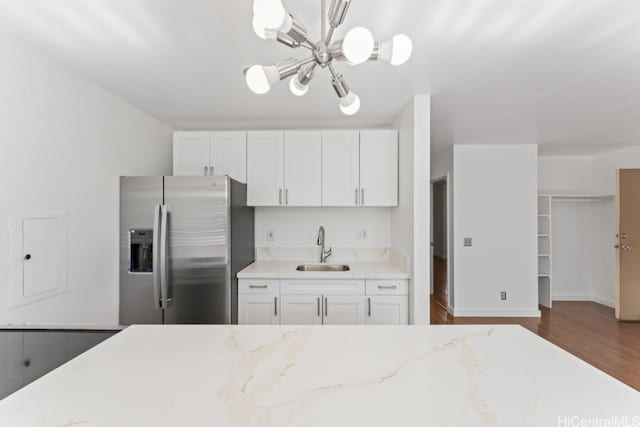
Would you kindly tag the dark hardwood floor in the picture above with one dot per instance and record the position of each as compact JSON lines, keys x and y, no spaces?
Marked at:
{"x":440,"y":281}
{"x":585,"y":329}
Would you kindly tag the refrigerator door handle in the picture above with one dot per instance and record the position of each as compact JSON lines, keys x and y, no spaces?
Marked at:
{"x":164,"y":276}
{"x":156,"y":257}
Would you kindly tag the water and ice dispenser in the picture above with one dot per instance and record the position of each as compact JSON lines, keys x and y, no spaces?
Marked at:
{"x":141,"y":251}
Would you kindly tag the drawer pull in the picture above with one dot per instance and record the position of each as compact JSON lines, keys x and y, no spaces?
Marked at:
{"x":388,"y":287}
{"x":258,"y":286}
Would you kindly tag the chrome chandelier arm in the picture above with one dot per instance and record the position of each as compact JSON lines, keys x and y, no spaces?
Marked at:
{"x":337,"y":14}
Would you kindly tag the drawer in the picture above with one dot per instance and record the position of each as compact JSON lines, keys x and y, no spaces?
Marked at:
{"x":322,"y":287}
{"x":387,"y":287}
{"x":258,"y":287}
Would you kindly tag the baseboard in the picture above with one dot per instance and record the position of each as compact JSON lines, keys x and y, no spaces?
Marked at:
{"x":605,"y":301}
{"x":584,"y":297}
{"x":496,"y":312}
{"x":572,"y":297}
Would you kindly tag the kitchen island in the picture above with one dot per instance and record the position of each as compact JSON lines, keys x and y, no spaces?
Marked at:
{"x":209,"y":375}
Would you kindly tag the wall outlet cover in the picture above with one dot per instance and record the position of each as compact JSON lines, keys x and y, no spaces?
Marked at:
{"x":362,"y":234}
{"x":270,"y":235}
{"x":468,"y":241}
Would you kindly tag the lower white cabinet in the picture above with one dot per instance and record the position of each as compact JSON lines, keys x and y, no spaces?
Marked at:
{"x":323,"y":302}
{"x":387,"y":310}
{"x":301,"y":310}
{"x":343,"y":310}
{"x":258,"y":310}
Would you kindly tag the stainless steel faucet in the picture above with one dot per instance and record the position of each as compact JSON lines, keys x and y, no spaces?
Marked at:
{"x":323,"y":254}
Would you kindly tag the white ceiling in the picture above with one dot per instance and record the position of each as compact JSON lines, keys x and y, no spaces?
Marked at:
{"x":561,"y":73}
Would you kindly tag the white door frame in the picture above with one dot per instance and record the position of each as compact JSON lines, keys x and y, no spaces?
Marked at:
{"x":447,"y":180}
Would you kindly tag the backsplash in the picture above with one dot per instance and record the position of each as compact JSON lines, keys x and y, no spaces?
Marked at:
{"x":312,"y":254}
{"x":345,"y":227}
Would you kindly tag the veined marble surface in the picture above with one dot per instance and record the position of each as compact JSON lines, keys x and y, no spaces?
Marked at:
{"x":312,"y":254}
{"x":287,"y":270}
{"x":321,"y":376}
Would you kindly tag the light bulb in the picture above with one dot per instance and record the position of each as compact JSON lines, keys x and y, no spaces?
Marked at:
{"x":260,"y":79}
{"x":397,"y":50}
{"x":270,"y":12}
{"x":358,"y":45}
{"x":350,"y":104}
{"x":297,"y":88}
{"x":261,"y":31}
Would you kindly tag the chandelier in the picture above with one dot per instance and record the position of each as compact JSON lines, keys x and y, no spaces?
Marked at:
{"x":272,"y":22}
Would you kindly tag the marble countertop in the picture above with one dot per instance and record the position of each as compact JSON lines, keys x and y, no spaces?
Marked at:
{"x":167,"y":376}
{"x":287,"y":270}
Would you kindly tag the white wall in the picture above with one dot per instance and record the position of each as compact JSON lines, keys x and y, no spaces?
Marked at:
{"x":495,"y":198}
{"x":606,"y":164}
{"x":65,"y":142}
{"x":565,"y":175}
{"x":410,"y":230}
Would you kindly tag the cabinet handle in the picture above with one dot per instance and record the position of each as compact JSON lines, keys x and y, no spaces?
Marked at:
{"x":275,"y":306}
{"x":280,"y":196}
{"x":206,"y":170}
{"x":258,"y":286}
{"x":326,"y":307}
{"x":356,"y":197}
{"x":387,"y":287}
{"x":369,"y":303}
{"x":318,"y":306}
{"x":286,"y":196}
{"x":362,"y":196}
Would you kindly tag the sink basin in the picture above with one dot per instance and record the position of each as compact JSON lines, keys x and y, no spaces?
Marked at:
{"x":323,"y":267}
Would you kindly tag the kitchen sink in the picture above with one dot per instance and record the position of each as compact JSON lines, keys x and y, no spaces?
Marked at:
{"x":323,"y":267}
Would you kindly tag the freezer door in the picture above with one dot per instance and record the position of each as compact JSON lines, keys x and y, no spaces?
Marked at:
{"x":140,"y":197}
{"x":199,"y":287}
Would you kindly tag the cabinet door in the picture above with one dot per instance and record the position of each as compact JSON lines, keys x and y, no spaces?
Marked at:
{"x":229,"y":155}
{"x":258,"y":310}
{"x":340,"y":168}
{"x":379,"y":168}
{"x":301,"y":310}
{"x":191,"y":153}
{"x":343,"y":310}
{"x":265,"y":171}
{"x":303,"y":168}
{"x":387,"y":310}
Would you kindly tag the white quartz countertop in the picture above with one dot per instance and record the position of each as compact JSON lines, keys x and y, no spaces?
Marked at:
{"x":168,"y":376}
{"x":287,"y":270}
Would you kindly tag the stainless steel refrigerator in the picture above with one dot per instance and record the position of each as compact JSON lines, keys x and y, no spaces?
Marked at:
{"x":182,"y":242}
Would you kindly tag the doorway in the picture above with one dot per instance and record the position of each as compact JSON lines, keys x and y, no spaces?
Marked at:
{"x":440,"y":248}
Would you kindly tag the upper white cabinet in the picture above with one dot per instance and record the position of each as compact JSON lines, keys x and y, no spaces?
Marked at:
{"x":265,"y":170}
{"x":302,"y":168}
{"x":285,"y":168}
{"x":340,"y":168}
{"x":360,"y":168}
{"x":191,"y":153}
{"x":228,"y":155}
{"x":297,"y":168}
{"x":379,"y":168}
{"x":210,"y":153}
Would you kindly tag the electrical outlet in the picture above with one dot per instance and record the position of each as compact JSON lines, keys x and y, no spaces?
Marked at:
{"x":503,"y":296}
{"x":468,"y":241}
{"x":269,"y":235}
{"x":362,"y":234}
